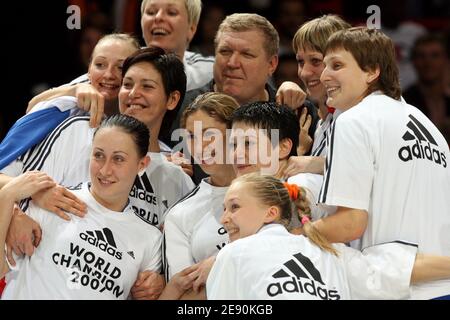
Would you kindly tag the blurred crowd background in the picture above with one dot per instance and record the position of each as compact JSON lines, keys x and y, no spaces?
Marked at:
{"x":40,"y":52}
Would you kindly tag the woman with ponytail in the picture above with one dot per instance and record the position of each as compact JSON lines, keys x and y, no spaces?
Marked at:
{"x":265,"y":261}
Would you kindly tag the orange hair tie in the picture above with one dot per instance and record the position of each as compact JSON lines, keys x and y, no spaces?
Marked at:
{"x":293,"y":190}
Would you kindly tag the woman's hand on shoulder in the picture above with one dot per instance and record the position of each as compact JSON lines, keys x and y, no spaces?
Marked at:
{"x":27,"y":184}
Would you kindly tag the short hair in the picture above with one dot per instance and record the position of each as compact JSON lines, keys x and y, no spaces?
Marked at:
{"x":168,"y":66}
{"x":314,"y":34}
{"x":217,"y":105}
{"x":240,"y":22}
{"x":193,"y":8}
{"x":371,"y":49}
{"x":268,"y":116}
{"x":426,"y":39}
{"x":135,"y":128}
{"x":172,"y":74}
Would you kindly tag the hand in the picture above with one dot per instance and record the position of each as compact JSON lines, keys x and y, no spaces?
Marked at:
{"x":305,"y":141}
{"x":26,"y":184}
{"x":290,"y":94}
{"x":57,"y":199}
{"x":295,"y":166}
{"x":180,"y":283}
{"x":202,"y":273}
{"x":179,"y":159}
{"x":148,"y":286}
{"x":24,"y":234}
{"x":89,"y":99}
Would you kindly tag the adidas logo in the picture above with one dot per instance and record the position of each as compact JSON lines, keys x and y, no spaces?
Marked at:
{"x":424,"y":146}
{"x":131,"y":254}
{"x":102,"y":239}
{"x":77,"y":187}
{"x":143,"y":190}
{"x":309,"y":282}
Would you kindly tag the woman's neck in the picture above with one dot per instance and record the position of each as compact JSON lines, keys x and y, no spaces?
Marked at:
{"x":154,"y":142}
{"x":323,"y":110}
{"x":117,"y":205}
{"x":224,"y":178}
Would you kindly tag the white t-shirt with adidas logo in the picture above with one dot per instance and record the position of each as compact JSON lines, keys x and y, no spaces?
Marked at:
{"x":65,"y":153}
{"x":95,"y":257}
{"x":192,"y":229}
{"x":274,"y":264}
{"x":160,"y":187}
{"x":386,"y":157}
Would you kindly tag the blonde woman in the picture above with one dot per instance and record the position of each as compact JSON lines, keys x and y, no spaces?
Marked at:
{"x":265,"y":261}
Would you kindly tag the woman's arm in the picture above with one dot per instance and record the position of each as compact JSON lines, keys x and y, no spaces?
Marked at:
{"x":51,"y":94}
{"x":346,"y":225}
{"x":18,"y":188}
{"x":304,"y":164}
{"x":88,"y":99}
{"x":429,"y":268}
{"x":6,"y":212}
{"x":4,"y":179}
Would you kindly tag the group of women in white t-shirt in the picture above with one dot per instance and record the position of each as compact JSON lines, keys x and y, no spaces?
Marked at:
{"x":99,"y":253}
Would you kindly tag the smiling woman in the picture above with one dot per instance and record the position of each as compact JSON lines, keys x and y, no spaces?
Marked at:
{"x":101,"y":86}
{"x":108,"y":239}
{"x":372,"y":175}
{"x":114,"y":163}
{"x":192,"y":230}
{"x":265,"y":261}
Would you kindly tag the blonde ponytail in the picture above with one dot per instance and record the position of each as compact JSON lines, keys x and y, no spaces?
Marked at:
{"x":303,"y":209}
{"x":288,"y":198}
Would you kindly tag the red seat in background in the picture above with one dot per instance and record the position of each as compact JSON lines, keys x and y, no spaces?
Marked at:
{"x":2,"y":285}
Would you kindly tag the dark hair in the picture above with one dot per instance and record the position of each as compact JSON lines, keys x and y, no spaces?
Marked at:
{"x":270,"y":115}
{"x":371,"y":49}
{"x":172,"y":74}
{"x":131,"y":126}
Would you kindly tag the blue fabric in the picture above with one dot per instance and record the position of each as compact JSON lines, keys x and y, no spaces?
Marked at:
{"x":447,"y":297}
{"x":29,"y":131}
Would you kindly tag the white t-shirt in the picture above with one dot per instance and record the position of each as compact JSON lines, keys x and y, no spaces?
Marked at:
{"x":274,"y":264}
{"x":198,"y":68}
{"x":312,"y":183}
{"x":160,"y":187}
{"x":388,"y":159}
{"x":65,"y":153}
{"x":192,"y":229}
{"x":95,"y":257}
{"x":323,"y":131}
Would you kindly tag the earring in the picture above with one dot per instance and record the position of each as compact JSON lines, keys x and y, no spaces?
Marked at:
{"x":141,"y":172}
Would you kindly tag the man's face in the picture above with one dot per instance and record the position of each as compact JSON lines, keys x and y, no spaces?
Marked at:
{"x":242,"y":66}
